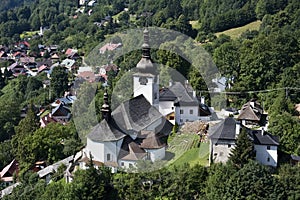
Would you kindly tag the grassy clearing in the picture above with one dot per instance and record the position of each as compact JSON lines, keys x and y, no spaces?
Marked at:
{"x":194,"y":156}
{"x":28,"y":34}
{"x":182,"y":150}
{"x":236,"y":32}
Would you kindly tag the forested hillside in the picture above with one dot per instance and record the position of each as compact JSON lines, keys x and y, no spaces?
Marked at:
{"x":262,"y":64}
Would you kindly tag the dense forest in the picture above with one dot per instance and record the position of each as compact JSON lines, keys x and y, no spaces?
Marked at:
{"x":263,"y":64}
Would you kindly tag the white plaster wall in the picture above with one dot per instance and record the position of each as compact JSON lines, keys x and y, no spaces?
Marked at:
{"x":156,"y":154}
{"x":126,"y":163}
{"x":146,"y":90}
{"x":96,"y":149}
{"x":165,"y":107}
{"x":220,"y":152}
{"x":186,"y":116}
{"x":262,"y":155}
{"x":112,"y":149}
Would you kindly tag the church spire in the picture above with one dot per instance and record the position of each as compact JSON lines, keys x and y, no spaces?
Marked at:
{"x":105,"y":109}
{"x":145,"y":65}
{"x":146,"y":46}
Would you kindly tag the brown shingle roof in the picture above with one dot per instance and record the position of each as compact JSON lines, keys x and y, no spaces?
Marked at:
{"x":152,"y":141}
{"x":248,"y":112}
{"x":135,"y":152}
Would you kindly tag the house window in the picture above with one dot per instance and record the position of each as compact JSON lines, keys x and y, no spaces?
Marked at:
{"x":108,"y":157}
{"x":268,"y":147}
{"x":229,"y":145}
{"x":191,"y":112}
{"x":268,"y":160}
{"x":122,"y":164}
{"x":172,"y":108}
{"x":181,"y":111}
{"x":171,"y":118}
{"x":130,"y":165}
{"x":181,"y":120}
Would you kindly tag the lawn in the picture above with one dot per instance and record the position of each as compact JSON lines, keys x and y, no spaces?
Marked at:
{"x":194,"y":156}
{"x":181,"y":150}
{"x":236,"y":32}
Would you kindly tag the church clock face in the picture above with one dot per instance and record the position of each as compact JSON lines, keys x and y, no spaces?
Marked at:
{"x":143,"y":81}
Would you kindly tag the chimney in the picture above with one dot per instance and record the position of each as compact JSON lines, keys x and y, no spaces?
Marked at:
{"x":237,"y":129}
{"x":252,"y":104}
{"x":202,"y":100}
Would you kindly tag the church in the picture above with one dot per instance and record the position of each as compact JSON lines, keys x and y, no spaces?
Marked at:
{"x":139,"y":127}
{"x":135,"y":130}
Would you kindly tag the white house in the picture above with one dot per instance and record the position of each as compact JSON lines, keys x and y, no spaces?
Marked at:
{"x":180,"y":104}
{"x":223,"y":139}
{"x":265,"y":146}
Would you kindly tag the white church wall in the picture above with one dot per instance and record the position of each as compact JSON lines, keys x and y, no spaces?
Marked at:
{"x":111,"y":150}
{"x":156,"y":154}
{"x":96,"y":149}
{"x":126,"y":163}
{"x":146,"y":90}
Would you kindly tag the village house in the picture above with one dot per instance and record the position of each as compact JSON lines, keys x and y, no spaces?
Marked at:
{"x":179,"y":104}
{"x":109,"y":47}
{"x":223,"y":139}
{"x":251,"y":114}
{"x":8,"y":172}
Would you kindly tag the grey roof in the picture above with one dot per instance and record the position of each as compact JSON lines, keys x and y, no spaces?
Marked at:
{"x":106,"y":131}
{"x":264,"y":138}
{"x":225,"y":130}
{"x":166,"y":94}
{"x":135,"y":114}
{"x":183,"y":96}
{"x":60,"y":110}
{"x":296,"y":158}
{"x":53,"y":168}
{"x":9,"y":189}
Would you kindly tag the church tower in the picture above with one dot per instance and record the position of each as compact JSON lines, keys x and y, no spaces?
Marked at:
{"x":146,"y":80}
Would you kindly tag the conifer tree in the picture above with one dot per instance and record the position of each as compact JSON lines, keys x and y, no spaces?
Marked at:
{"x":243,"y":151}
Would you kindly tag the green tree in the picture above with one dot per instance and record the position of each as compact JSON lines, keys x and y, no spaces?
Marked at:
{"x":289,"y":178}
{"x":59,"y":81}
{"x":253,"y":181}
{"x":243,"y":152}
{"x":25,"y":128}
{"x":91,"y":183}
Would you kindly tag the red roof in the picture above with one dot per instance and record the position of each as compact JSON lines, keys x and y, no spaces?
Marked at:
{"x":109,"y":47}
{"x":69,"y":51}
{"x":42,"y":67}
{"x":87,"y":75}
{"x":8,"y":171}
